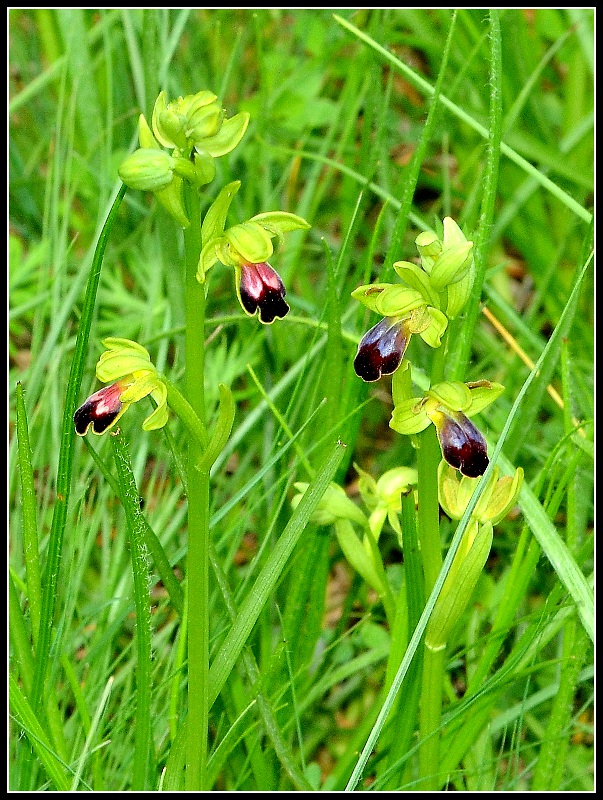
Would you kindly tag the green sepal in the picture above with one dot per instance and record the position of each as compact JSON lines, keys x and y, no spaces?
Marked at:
{"x":334,"y":505}
{"x":453,"y":394}
{"x":250,"y":241}
{"x":482,"y":394}
{"x":369,"y":294}
{"x":409,"y":416}
{"x":207,"y":258}
{"x":278,"y":222}
{"x":158,"y":419}
{"x":215,"y":218}
{"x":227,"y":138}
{"x":418,"y":279}
{"x":113,"y":367}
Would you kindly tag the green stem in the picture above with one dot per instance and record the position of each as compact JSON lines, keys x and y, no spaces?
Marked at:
{"x":428,"y":458}
{"x":198,"y":510}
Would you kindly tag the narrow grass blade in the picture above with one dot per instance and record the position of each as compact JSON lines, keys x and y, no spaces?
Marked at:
{"x":28,"y":721}
{"x":427,"y":88}
{"x":59,"y":517}
{"x":269,"y":576}
{"x":29,"y":515}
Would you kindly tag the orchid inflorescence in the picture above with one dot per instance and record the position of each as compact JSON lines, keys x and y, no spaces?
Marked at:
{"x":180,"y":146}
{"x":429,"y":296}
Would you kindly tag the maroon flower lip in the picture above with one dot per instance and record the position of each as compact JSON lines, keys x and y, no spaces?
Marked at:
{"x":381,"y":349}
{"x":463,"y":446}
{"x":99,"y":410}
{"x":262,"y":288}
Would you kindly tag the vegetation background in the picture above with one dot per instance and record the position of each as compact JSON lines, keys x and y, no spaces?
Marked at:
{"x":337,"y":113}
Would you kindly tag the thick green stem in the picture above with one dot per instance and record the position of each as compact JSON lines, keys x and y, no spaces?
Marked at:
{"x":428,"y":459}
{"x":198,"y":511}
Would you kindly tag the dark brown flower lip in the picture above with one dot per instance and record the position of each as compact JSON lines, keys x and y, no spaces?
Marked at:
{"x":99,"y":411}
{"x":381,"y":349}
{"x":261,"y":289}
{"x":463,"y":446}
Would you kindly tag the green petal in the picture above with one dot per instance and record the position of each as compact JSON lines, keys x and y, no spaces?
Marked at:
{"x":396,"y":301}
{"x":369,"y":294}
{"x":228,"y":137}
{"x":482,"y":394}
{"x":432,"y":334}
{"x":452,"y":394}
{"x":409,"y":417}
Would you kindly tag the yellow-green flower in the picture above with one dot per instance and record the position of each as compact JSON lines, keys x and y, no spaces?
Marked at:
{"x":127,"y":367}
{"x":431,"y":294}
{"x":247,"y":247}
{"x":448,"y":406}
{"x":495,"y":502}
{"x":197,"y":121}
{"x":383,"y":496}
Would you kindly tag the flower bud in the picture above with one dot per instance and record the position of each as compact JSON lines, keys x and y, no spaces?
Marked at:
{"x":452,"y":265}
{"x":334,"y":505}
{"x":429,"y":247}
{"x":466,"y":567}
{"x":147,"y":169}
